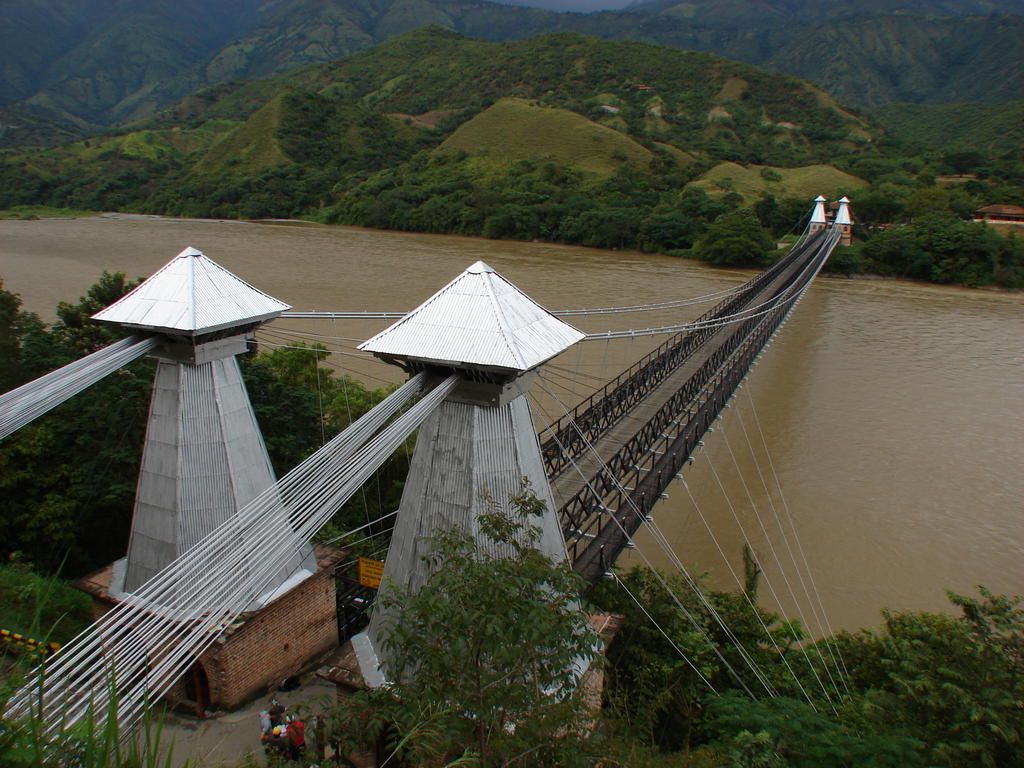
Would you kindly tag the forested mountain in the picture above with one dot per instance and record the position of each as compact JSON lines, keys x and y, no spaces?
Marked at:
{"x":875,"y":60}
{"x":432,"y":120}
{"x":98,"y":62}
{"x":971,"y":127}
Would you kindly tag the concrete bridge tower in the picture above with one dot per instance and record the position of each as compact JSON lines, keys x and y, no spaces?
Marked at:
{"x":204,"y":456}
{"x":818,"y":220}
{"x":844,"y":222}
{"x":474,"y":452}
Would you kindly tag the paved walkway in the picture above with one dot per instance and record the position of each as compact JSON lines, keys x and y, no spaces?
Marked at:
{"x":226,"y":738}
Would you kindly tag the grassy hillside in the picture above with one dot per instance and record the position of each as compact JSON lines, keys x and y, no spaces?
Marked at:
{"x":514,"y":129}
{"x":249,"y":148}
{"x":753,"y":181}
{"x":659,"y":94}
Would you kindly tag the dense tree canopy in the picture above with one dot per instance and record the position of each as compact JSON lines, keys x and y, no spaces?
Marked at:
{"x":924,"y":689}
{"x":735,"y":239}
{"x":945,"y":249}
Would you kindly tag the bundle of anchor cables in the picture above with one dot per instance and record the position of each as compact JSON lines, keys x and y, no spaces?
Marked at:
{"x":134,"y":653}
{"x":30,"y":401}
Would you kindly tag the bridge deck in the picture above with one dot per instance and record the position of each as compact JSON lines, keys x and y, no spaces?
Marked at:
{"x":569,"y":481}
{"x":648,"y":424}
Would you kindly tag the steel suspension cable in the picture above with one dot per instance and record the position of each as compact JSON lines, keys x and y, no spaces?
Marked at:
{"x":746,"y":596}
{"x":746,"y":314}
{"x":185,"y":658}
{"x":694,"y":586}
{"x":696,"y":625}
{"x":796,"y":537}
{"x":778,"y":561}
{"x":35,"y":398}
{"x":150,"y":598}
{"x":581,"y":312}
{"x":792,"y":557}
{"x":363,"y":465}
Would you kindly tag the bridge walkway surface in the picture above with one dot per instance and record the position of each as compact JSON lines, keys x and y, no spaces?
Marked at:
{"x":580,"y":506}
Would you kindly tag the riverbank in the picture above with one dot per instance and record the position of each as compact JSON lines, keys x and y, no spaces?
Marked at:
{"x":839,"y":266}
{"x":34,"y":212}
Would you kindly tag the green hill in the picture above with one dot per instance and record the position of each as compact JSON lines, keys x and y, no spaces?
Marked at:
{"x":881,"y":59}
{"x":514,"y":129}
{"x":103,"y":62}
{"x":251,"y":147}
{"x":686,"y":102}
{"x":304,"y":141}
{"x":20,"y":129}
{"x":751,"y":182}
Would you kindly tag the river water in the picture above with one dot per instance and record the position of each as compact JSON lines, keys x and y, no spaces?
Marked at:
{"x":873,"y":457}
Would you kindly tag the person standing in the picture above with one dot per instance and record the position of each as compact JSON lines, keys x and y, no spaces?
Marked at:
{"x":296,"y":739}
{"x":276,"y":712}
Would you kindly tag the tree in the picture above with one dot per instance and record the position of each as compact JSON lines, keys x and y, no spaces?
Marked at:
{"x":20,"y":332}
{"x":735,"y":239}
{"x":964,"y":162}
{"x":661,"y":695}
{"x":68,"y":479}
{"x":955,"y":684}
{"x":786,"y":732}
{"x":484,"y":656}
{"x":667,"y":230}
{"x":945,"y":249}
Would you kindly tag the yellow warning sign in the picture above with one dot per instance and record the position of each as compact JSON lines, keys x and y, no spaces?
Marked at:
{"x":370,"y":572}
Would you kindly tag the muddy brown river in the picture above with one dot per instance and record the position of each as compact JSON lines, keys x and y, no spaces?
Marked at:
{"x":879,"y":440}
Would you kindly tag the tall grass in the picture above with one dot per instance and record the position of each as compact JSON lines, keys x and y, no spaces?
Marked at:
{"x":93,"y":742}
{"x":46,"y":609}
{"x":42,"y":607}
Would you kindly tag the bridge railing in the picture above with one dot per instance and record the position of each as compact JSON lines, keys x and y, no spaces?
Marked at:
{"x":601,"y":410}
{"x":626,"y":486}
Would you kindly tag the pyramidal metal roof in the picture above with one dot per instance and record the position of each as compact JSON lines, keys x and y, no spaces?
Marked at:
{"x":479,"y":319}
{"x":818,"y":216}
{"x":192,"y":294}
{"x":843,"y":214}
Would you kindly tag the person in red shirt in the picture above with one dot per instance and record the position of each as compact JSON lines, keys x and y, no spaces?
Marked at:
{"x":296,"y":739}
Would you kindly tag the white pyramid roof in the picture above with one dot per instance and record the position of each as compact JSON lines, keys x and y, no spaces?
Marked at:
{"x":478,"y":320}
{"x":843,"y":214}
{"x":192,"y":294}
{"x":818,"y":216}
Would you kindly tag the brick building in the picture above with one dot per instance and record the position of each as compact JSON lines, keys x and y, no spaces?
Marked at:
{"x":288,"y":635}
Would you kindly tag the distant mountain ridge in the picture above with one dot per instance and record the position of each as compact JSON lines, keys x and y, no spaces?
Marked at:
{"x":434,"y":103}
{"x":101,"y":62}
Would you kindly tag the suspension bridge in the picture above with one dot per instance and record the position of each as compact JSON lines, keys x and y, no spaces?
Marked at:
{"x":214,"y":535}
